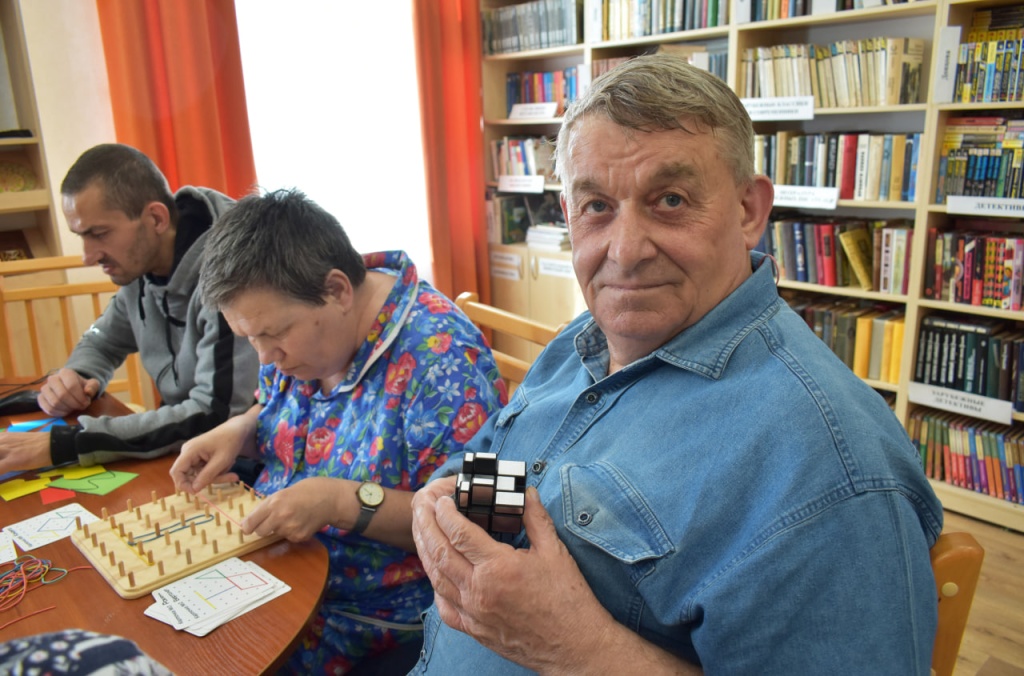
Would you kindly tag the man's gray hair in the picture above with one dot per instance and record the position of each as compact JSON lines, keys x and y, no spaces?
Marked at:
{"x":661,"y":92}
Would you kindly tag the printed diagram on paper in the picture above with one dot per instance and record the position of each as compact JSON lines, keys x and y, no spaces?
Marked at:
{"x":49,"y":527}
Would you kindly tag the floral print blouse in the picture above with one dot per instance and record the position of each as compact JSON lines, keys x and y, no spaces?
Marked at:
{"x":420,"y":386}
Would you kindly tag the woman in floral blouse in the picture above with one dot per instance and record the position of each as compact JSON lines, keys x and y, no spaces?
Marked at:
{"x":370,"y":379}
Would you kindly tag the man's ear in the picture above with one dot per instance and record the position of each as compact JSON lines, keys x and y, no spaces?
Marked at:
{"x":756,"y":200}
{"x":158,"y":214}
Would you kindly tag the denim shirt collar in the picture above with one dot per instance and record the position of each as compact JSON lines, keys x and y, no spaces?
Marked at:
{"x":706,"y":346}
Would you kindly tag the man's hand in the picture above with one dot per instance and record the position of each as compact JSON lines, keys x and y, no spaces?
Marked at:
{"x":66,"y":391}
{"x":296,"y":512}
{"x":490,"y":590}
{"x":24,"y":450}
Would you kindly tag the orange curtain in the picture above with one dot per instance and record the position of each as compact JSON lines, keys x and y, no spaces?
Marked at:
{"x":176,"y":87}
{"x":448,"y":61}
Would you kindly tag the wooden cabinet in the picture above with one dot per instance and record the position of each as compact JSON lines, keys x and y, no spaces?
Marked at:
{"x":536,"y":284}
{"x":513,"y":268}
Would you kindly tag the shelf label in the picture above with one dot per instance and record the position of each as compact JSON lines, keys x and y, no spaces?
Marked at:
{"x":823,"y":7}
{"x":504,"y":258}
{"x":984,"y":206}
{"x":780,"y":108}
{"x":511,"y":274}
{"x":806,"y":197}
{"x":509,"y":183}
{"x":954,"y":401}
{"x":945,"y":72}
{"x":555,"y":267}
{"x":533,"y":111}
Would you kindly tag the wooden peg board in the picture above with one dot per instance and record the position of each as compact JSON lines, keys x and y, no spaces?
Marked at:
{"x":148,"y":546}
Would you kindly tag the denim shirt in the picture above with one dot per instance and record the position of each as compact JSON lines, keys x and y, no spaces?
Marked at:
{"x":738,"y":497}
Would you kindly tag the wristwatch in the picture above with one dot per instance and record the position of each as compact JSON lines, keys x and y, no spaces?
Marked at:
{"x":370,"y":496}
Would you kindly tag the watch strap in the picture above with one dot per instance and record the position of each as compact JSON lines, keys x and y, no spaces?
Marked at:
{"x":363,"y":520}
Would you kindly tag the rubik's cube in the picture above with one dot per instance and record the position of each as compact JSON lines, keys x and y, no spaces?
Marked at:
{"x":492,"y":493}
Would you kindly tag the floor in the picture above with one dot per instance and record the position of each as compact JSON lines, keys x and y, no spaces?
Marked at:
{"x":993,"y":644}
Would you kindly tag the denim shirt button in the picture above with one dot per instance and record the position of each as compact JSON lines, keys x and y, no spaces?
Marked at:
{"x":584,"y":518}
{"x":592,"y":397}
{"x":537,"y":467}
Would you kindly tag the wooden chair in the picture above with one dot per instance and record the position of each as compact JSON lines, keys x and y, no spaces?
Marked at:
{"x":40,"y":308}
{"x":512,"y":369}
{"x":956,"y":561}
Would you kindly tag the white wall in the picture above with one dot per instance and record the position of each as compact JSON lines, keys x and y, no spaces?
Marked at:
{"x":72,"y":91}
{"x":334,"y":111}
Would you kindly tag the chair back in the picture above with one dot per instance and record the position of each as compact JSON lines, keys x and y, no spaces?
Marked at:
{"x":43,"y":315}
{"x":956,"y":562}
{"x":512,"y":369}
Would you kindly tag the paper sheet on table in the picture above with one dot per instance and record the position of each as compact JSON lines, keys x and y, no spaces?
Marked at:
{"x":7,"y":552}
{"x":49,"y":527}
{"x":207,"y":599}
{"x":95,"y":484}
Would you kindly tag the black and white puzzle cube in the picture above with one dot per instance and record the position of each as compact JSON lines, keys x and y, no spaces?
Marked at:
{"x":492,"y":493}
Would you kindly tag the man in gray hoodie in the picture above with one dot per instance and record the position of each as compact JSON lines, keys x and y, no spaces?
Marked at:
{"x":149,"y":242}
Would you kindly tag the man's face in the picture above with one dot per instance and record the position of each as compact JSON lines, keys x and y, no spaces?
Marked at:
{"x":660,"y":231}
{"x":126,"y":248}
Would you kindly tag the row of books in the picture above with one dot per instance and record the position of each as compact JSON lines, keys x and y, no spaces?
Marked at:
{"x":976,"y":267}
{"x":766,"y":10}
{"x":556,"y":86}
{"x":874,"y":255}
{"x":862,"y":165}
{"x":869,"y":72}
{"x":981,"y":156}
{"x":976,"y":355}
{"x":626,"y":19}
{"x":868,"y":338}
{"x":988,"y":64}
{"x":532,"y":25}
{"x":523,"y":156}
{"x":970,"y":453}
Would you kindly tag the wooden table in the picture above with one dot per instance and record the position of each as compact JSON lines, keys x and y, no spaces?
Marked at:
{"x":256,"y":642}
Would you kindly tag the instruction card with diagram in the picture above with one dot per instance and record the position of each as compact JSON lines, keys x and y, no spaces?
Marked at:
{"x":207,"y":599}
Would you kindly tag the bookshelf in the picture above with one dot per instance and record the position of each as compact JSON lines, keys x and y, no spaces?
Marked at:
{"x":929,"y":20}
{"x":27,"y":217}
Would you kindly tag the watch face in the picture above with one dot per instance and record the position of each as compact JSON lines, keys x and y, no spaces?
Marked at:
{"x":370,"y":494}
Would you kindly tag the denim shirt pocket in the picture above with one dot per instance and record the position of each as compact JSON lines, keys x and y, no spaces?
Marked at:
{"x":603,"y":508}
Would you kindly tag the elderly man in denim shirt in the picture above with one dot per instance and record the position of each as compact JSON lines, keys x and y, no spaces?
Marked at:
{"x":710,"y":488}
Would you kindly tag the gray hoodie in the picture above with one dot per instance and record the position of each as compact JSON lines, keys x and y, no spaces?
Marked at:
{"x":204,"y":373}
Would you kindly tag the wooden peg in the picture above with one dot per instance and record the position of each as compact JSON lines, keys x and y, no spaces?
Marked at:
{"x":131,"y":579}
{"x":138,"y":512}
{"x":78,"y":523}
{"x":241,"y":510}
{"x":163,"y":504}
{"x":156,"y":529}
{"x":120,"y":568}
{"x":204,"y":536}
{"x":228,"y":524}
{"x":103,"y":513}
{"x":216,"y":518}
{"x":128,"y":504}
{"x":152,"y":496}
{"x":149,"y":523}
{"x":167,"y":539}
{"x":149,"y":557}
{"x":93,"y":538}
{"x":177,"y":548}
{"x":174,"y":514}
{"x":231,"y":503}
{"x":103,"y":549}
{"x":182,"y":520}
{"x":206,"y":512}
{"x":160,"y":567}
{"x":84,"y":527}
{"x":142,"y":550}
{"x":113,"y":522}
{"x":192,"y":528}
{"x":112,"y":559}
{"x":120,"y":529}
{"x":214,"y":546}
{"x":188,"y":556}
